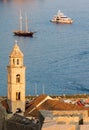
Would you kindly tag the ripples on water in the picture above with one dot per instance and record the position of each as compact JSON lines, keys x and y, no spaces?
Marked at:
{"x":57,"y":57}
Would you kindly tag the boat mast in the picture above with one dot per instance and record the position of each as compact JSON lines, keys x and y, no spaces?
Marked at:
{"x":26,"y":24}
{"x":20,"y":21}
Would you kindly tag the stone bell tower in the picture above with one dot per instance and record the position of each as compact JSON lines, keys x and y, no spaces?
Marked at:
{"x":16,"y":80}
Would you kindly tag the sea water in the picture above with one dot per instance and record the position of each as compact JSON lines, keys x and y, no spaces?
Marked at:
{"x":57,"y":57}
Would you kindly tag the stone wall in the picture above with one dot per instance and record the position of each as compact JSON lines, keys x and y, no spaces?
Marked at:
{"x":84,"y":113}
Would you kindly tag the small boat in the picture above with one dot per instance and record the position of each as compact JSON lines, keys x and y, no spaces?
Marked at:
{"x":23,"y":33}
{"x":20,"y":32}
{"x":61,"y":18}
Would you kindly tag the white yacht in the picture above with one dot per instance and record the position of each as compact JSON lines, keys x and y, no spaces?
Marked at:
{"x":61,"y":18}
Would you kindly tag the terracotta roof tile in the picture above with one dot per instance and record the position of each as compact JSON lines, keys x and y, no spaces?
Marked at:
{"x":5,"y":104}
{"x":49,"y":104}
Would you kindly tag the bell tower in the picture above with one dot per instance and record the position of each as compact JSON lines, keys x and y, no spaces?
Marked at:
{"x":16,"y":80}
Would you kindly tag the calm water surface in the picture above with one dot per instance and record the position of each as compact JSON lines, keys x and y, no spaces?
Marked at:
{"x":57,"y":57}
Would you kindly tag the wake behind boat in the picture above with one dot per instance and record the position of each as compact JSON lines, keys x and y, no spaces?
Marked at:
{"x":61,"y":18}
{"x":25,"y":33}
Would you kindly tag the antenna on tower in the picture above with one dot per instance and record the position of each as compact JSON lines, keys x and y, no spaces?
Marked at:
{"x":43,"y":89}
{"x":35,"y":90}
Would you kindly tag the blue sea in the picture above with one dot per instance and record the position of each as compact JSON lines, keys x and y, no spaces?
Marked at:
{"x":57,"y":57}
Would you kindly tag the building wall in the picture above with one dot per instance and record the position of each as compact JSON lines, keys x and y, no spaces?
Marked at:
{"x":84,"y":127}
{"x":65,"y":120}
{"x":84,"y":113}
{"x":59,"y":127}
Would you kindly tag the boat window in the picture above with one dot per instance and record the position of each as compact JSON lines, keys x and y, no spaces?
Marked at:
{"x":18,"y":78}
{"x":17,"y":95}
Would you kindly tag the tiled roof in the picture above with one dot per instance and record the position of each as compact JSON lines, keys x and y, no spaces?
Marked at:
{"x":33,"y":104}
{"x":18,"y":122}
{"x":49,"y":104}
{"x":5,"y":104}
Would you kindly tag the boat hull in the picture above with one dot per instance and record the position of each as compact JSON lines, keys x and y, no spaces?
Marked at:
{"x":23,"y":33}
{"x":62,"y":21}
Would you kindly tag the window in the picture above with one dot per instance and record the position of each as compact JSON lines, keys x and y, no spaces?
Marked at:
{"x":17,"y":95}
{"x":13,"y":61}
{"x":17,"y":61}
{"x":18,"y":78}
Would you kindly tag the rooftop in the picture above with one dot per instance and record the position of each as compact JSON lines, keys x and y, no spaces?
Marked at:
{"x":44,"y":102}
